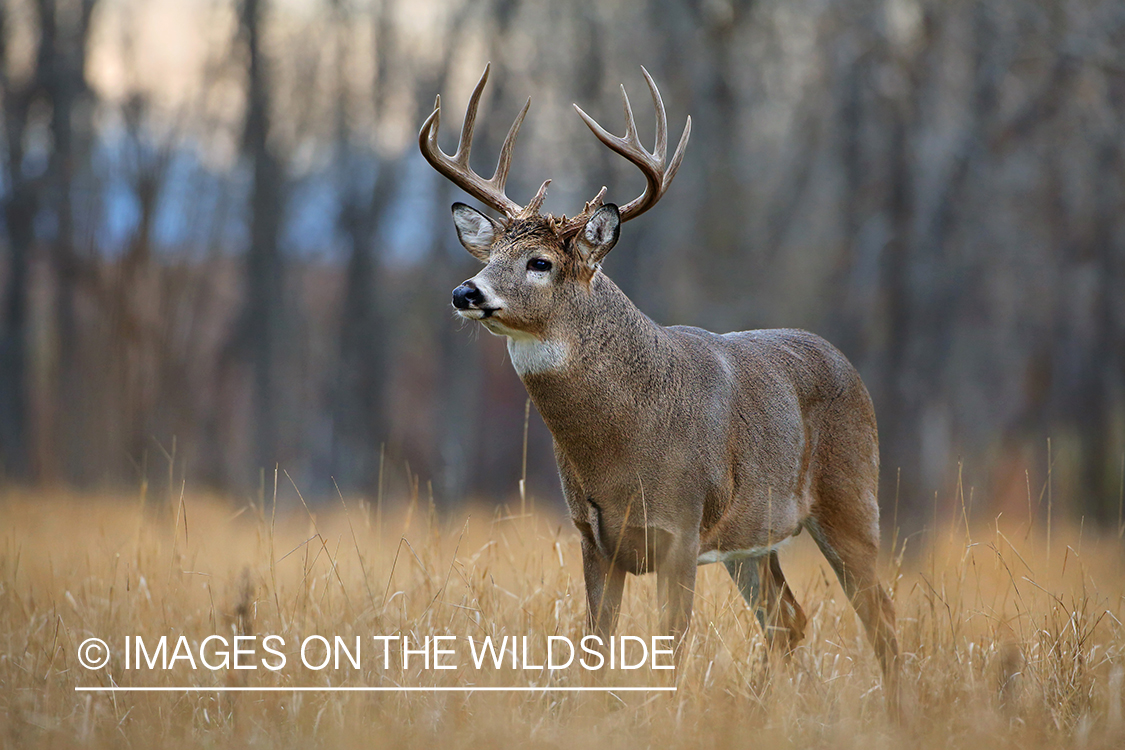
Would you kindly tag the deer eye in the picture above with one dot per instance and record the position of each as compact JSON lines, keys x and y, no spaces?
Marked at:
{"x":539,"y":264}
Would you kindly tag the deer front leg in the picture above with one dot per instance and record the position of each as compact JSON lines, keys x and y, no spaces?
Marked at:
{"x":675,"y":587}
{"x":605,"y":583}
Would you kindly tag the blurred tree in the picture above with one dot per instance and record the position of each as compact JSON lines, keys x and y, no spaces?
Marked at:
{"x":54,"y":90}
{"x":260,"y":330}
{"x":20,"y":206}
{"x":358,"y":389}
{"x":936,"y":187}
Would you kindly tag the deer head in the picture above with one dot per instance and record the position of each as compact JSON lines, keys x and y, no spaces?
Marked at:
{"x":536,"y":262}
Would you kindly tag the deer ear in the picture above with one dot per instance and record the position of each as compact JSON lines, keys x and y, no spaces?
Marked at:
{"x":476,"y":231}
{"x":599,"y":235}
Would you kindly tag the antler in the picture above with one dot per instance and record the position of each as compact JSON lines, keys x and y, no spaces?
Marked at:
{"x":652,"y":165}
{"x":456,"y":167}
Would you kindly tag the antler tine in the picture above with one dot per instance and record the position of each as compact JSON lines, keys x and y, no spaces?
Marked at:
{"x":652,"y":165}
{"x":465,"y":142}
{"x":599,"y":199}
{"x":504,"y":163}
{"x":456,"y":168}
{"x":630,"y":147}
{"x":670,"y":173}
{"x":661,"y":118}
{"x":537,"y":202}
{"x":630,"y":123}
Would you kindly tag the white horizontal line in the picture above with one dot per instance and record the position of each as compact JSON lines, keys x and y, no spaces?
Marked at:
{"x":367,"y":689}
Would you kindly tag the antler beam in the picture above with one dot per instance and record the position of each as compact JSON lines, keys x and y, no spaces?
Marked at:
{"x":456,"y":167}
{"x":652,"y":165}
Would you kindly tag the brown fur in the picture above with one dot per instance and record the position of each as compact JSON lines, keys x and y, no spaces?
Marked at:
{"x":675,"y":442}
{"x":675,"y":446}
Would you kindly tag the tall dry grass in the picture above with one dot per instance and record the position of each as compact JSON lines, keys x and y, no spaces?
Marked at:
{"x":1002,"y":644}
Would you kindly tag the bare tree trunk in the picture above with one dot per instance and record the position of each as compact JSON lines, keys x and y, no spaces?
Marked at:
{"x":15,"y":433}
{"x":259,"y":331}
{"x":20,"y":206}
{"x":19,"y":217}
{"x":58,"y":79}
{"x":359,"y":416}
{"x":1098,"y":395}
{"x":65,"y":84}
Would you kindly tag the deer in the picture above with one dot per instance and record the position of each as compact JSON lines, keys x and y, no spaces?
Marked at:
{"x":676,"y":447}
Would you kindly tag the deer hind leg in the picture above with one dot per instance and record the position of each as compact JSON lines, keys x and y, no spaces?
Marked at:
{"x":851,"y":550}
{"x":765,"y":590}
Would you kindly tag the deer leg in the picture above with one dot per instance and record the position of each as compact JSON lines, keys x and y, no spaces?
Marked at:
{"x":675,"y":587}
{"x":780,"y":615}
{"x":749,"y":582}
{"x":605,"y":583}
{"x":851,"y":550}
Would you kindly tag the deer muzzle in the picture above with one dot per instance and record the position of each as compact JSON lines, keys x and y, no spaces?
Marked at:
{"x":467,"y":295}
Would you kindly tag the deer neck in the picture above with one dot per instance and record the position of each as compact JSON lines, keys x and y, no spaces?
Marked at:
{"x":588,"y":376}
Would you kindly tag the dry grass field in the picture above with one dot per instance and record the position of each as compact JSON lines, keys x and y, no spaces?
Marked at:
{"x":1003,"y":643}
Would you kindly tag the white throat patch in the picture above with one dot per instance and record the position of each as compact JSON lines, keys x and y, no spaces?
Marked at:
{"x":530,"y":355}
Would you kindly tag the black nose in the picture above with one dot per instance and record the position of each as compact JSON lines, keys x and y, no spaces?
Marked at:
{"x":466,"y":296}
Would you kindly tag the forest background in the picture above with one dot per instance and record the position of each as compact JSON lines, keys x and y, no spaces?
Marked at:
{"x":221,"y":251}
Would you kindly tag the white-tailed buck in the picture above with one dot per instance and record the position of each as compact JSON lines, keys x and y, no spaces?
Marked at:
{"x":676,"y":446}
